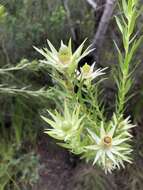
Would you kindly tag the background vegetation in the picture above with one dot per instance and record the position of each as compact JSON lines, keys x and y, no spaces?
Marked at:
{"x":28,"y":159}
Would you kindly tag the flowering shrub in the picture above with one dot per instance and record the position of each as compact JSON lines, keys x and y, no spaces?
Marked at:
{"x":80,"y":121}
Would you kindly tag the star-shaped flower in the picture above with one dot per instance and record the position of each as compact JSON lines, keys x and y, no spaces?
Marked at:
{"x":66,"y":126}
{"x":64,"y":59}
{"x":111,"y":146}
{"x":87,"y":72}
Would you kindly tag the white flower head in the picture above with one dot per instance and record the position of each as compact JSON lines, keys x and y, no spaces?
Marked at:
{"x":65,"y":126}
{"x":64,"y":58}
{"x":88,"y":73}
{"x":111,"y":147}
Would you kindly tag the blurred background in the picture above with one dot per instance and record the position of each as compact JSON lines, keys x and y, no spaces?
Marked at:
{"x":30,"y":160}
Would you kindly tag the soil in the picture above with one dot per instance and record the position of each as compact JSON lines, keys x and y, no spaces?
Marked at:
{"x":57,"y":166}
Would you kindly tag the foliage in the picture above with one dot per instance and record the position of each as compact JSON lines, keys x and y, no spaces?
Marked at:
{"x":19,"y":161}
{"x":2,"y":12}
{"x":18,"y":130}
{"x":45,"y":19}
{"x":126,"y":25}
{"x":18,"y":134}
{"x":17,"y":170}
{"x":97,"y":138}
{"x":74,"y":96}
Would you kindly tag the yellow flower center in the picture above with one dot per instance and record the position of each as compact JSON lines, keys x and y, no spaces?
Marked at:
{"x":65,"y":126}
{"x":86,"y":68}
{"x":107,"y":141}
{"x":64,"y":55}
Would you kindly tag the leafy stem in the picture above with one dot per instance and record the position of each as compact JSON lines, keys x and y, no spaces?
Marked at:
{"x":126,"y":25}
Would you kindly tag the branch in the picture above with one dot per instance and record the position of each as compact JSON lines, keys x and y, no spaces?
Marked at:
{"x":104,"y":22}
{"x":92,"y":3}
{"x":41,"y":93}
